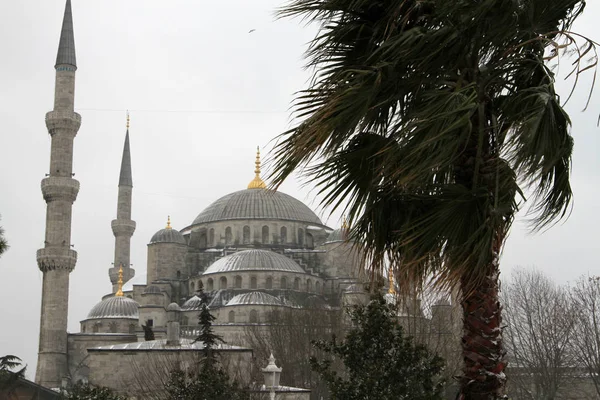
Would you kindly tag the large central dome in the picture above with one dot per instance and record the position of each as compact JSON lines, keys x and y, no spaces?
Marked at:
{"x":257,"y":204}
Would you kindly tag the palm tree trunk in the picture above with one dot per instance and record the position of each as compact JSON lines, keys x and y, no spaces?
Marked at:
{"x":483,"y":355}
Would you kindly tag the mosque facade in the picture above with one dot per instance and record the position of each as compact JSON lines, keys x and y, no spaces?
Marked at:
{"x":253,"y":251}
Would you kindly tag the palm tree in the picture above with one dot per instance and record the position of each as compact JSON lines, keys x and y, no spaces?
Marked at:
{"x":10,"y":373}
{"x":3,"y":242}
{"x":427,"y":120}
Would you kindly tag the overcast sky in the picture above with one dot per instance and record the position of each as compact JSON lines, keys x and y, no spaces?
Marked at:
{"x":203,"y":92}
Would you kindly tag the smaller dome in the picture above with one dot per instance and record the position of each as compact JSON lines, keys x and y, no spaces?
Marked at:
{"x":168,"y":235}
{"x":254,"y":298}
{"x":152,"y":289}
{"x":115,"y":307}
{"x":173,"y":307}
{"x":192,"y":304}
{"x":354,"y":288}
{"x":338,"y":235}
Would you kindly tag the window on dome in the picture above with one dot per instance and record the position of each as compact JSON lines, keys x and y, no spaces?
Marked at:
{"x":283,"y":235}
{"x":131,"y":328}
{"x":150,"y":323}
{"x":238,"y":282}
{"x":223,"y":283}
{"x":269,"y":283}
{"x":308,"y":285}
{"x":253,"y":283}
{"x":297,"y":284}
{"x":95,"y":328}
{"x":246,"y":234}
{"x":210,"y":285}
{"x":231,"y":316}
{"x":265,"y":234}
{"x":300,"y":237}
{"x":284,"y":282}
{"x":211,"y":237}
{"x":318,"y":287}
{"x":112,"y":327}
{"x":192,"y":287}
{"x":228,"y":236}
{"x":82,"y":328}
{"x":253,"y":316}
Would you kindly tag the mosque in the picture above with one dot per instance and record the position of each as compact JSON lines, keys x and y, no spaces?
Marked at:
{"x":252,"y":251}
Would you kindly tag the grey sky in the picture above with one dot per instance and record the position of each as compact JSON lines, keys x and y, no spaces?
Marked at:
{"x":203,"y":92}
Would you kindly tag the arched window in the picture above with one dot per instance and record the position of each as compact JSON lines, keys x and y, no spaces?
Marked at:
{"x":246,"y":234}
{"x":131,"y":328}
{"x":308,"y":285}
{"x":300,"y":237}
{"x":253,"y":316}
{"x":297,"y":284}
{"x":223,"y":283}
{"x":210,"y":285}
{"x":238,"y":282}
{"x":283,"y":284}
{"x":192,"y":287}
{"x":95,"y":328}
{"x":283,"y":235}
{"x":269,"y":283}
{"x":253,"y":283}
{"x":112,"y":327}
{"x":228,"y":236}
{"x":82,"y":328}
{"x":318,"y":287}
{"x":265,"y":234}
{"x":211,"y":237}
{"x":231,"y":316}
{"x":309,"y":241}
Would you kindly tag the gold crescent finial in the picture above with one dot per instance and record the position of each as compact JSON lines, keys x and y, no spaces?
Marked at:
{"x":257,"y":182}
{"x":127,"y":119}
{"x":345,"y":227}
{"x":120,"y":282}
{"x":392,"y":289}
{"x":169,"y":222}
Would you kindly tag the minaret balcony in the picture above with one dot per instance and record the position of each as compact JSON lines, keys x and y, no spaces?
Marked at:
{"x":63,"y":121}
{"x":53,"y":258}
{"x":123,"y":227}
{"x":57,"y":188}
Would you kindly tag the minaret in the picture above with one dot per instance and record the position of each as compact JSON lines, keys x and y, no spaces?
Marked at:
{"x":123,"y":227}
{"x":56,"y":260}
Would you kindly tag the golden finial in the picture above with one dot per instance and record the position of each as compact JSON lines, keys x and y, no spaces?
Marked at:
{"x":127,"y":119}
{"x":169,"y":222}
{"x":392,"y":289}
{"x":257,"y":182}
{"x":345,"y":227}
{"x":120,"y":282}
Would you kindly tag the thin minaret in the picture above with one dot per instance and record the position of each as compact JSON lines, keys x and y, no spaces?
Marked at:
{"x":56,"y":260}
{"x":123,"y":227}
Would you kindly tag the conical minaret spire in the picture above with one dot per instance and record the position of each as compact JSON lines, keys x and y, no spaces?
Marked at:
{"x":57,"y":259}
{"x":123,"y":227}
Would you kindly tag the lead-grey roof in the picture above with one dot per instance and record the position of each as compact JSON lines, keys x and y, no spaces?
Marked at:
{"x":115,"y":307}
{"x":125,"y":178}
{"x":168,"y":235}
{"x":192,"y":304}
{"x":66,"y":45}
{"x":160,"y":344}
{"x":254,"y":260}
{"x":254,"y":298}
{"x":257,"y":204}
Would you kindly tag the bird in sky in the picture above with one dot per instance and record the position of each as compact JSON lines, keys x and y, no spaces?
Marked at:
{"x":251,"y":30}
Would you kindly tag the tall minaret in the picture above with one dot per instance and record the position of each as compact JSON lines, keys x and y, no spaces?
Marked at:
{"x":56,"y":260}
{"x":123,"y":227}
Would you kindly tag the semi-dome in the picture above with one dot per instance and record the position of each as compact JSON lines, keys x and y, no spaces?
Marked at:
{"x":168,"y":235}
{"x":173,"y":307}
{"x":257,"y":204}
{"x":254,"y":298}
{"x":115,"y":307}
{"x":338,"y":235}
{"x":254,"y":260}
